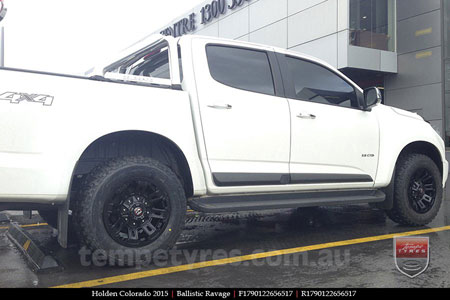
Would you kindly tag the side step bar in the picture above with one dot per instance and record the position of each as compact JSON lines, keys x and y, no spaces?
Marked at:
{"x":249,"y":202}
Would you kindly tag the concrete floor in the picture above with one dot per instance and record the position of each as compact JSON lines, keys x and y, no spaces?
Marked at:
{"x":208,"y":237}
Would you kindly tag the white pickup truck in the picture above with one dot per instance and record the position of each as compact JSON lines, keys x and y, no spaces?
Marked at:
{"x":216,"y":125}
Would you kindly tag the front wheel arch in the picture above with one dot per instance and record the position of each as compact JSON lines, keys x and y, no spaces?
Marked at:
{"x":401,"y":209}
{"x":425,"y":148}
{"x":418,"y":147}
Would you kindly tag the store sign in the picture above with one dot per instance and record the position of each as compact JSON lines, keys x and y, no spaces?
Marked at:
{"x":2,"y":10}
{"x":207,"y":14}
{"x":181,"y":27}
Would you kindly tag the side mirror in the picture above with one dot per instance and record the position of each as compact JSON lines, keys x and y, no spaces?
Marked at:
{"x":372,"y":97}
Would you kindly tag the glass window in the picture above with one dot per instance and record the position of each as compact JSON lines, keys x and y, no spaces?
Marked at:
{"x":152,"y":61}
{"x":153,"y":64}
{"x":372,"y":24}
{"x":241,"y":68}
{"x":315,"y":83}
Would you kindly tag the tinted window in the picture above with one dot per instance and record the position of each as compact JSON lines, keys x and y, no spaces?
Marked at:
{"x":373,"y":24}
{"x":153,"y":65}
{"x":317,"y":84}
{"x":241,"y":68}
{"x":152,"y":61}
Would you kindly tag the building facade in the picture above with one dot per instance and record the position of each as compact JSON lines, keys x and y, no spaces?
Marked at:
{"x":401,"y":46}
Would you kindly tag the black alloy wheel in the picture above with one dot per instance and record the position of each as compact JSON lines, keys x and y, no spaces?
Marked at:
{"x":417,"y":190}
{"x":422,"y":191}
{"x":137,"y":214}
{"x":130,"y":208}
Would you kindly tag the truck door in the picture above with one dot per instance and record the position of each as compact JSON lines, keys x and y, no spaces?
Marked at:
{"x":245,"y":119}
{"x":334,"y":142}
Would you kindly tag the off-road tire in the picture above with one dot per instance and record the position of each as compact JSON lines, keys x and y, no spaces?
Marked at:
{"x":392,"y":214}
{"x":103,"y":182}
{"x":403,"y":212}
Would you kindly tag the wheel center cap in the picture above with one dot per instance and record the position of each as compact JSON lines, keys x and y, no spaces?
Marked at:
{"x":138,"y":211}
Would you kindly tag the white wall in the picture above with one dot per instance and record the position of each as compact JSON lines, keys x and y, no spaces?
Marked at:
{"x":316,"y":27}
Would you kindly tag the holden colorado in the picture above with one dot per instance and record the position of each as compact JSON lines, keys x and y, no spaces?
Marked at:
{"x":114,"y":158}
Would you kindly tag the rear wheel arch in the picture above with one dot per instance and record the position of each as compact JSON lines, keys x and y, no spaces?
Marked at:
{"x":134,"y":143}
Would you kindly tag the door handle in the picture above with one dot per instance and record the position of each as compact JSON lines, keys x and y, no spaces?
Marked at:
{"x":223,"y":106}
{"x":306,"y":116}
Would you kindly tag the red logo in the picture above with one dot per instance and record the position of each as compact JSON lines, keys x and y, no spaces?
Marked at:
{"x":411,"y":255}
{"x":138,"y":211}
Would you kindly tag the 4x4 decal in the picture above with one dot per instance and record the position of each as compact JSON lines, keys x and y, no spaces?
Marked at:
{"x":16,"y":98}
